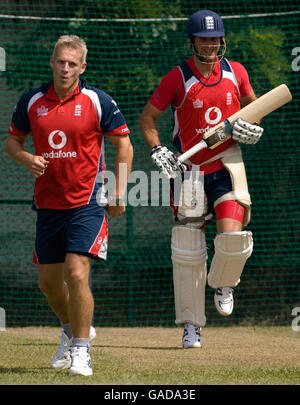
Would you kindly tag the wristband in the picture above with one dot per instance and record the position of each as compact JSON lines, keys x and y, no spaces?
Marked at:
{"x":155,"y":149}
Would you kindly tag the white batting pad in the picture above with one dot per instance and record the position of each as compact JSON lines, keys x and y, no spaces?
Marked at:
{"x":189,"y":274}
{"x":232,"y":249}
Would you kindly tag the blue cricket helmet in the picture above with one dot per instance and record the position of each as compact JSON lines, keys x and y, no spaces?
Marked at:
{"x":205,"y":23}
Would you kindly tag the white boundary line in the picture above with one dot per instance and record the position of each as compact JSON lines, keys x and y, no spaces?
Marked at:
{"x":24,"y":17}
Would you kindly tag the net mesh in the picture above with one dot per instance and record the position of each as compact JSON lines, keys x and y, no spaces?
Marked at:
{"x":131,"y":46}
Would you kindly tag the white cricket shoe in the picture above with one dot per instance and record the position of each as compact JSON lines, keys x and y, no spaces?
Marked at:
{"x":224,"y":300}
{"x":81,"y":361}
{"x":191,"y":336}
{"x":62,"y":358}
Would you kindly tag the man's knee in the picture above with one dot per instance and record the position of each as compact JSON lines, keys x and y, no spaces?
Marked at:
{"x":50,"y":278}
{"x":77,"y":269}
{"x":46,"y":286}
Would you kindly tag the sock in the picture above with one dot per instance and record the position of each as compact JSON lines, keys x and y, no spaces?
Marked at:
{"x":83,"y":342}
{"x":67,"y":329}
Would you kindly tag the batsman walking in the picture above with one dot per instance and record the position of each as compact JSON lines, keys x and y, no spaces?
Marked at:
{"x":68,"y":120}
{"x":203,"y":91}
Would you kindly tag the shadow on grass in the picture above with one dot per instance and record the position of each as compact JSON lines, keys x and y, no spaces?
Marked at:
{"x":137,"y":347}
{"x":22,"y":370}
{"x":103,"y":346}
{"x":35,"y":344}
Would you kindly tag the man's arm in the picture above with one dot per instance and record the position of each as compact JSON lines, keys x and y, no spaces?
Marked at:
{"x":244,"y":132}
{"x":148,"y":127}
{"x":248,"y":99}
{"x":15,"y":149}
{"x":123,"y":165}
{"x":161,"y":156}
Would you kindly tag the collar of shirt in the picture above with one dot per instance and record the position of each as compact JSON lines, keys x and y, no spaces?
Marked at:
{"x":51,"y":95}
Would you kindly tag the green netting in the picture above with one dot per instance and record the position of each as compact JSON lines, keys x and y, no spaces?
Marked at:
{"x":131,"y":46}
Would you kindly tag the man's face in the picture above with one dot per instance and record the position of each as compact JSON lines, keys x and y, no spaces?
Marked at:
{"x":208,"y":48}
{"x":67,"y":66}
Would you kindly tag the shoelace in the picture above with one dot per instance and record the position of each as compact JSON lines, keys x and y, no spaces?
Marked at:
{"x":80,"y":354}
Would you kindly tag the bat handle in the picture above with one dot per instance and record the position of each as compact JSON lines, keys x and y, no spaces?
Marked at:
{"x":199,"y":146}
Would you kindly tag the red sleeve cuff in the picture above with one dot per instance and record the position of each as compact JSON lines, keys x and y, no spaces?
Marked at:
{"x":15,"y":131}
{"x":122,"y":130}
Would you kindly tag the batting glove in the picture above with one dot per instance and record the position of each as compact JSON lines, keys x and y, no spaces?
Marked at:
{"x":167,"y":162}
{"x":247,"y":133}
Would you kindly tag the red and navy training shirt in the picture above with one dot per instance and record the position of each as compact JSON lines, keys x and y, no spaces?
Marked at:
{"x":200,"y":103}
{"x":69,"y":134}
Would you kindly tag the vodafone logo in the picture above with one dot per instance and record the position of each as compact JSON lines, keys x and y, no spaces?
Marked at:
{"x":213,"y":115}
{"x":57,"y":140}
{"x":57,"y":134}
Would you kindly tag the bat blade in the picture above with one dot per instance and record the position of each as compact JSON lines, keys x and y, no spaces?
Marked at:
{"x":252,"y":113}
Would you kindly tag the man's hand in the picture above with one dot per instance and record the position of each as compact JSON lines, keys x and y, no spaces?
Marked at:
{"x":37,"y":166}
{"x":167,"y":162}
{"x":243,"y":132}
{"x":116,"y":206}
{"x":15,"y":149}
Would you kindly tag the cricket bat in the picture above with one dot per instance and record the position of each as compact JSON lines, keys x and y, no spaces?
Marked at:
{"x":252,"y":113}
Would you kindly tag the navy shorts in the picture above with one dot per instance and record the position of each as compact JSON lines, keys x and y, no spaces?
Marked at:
{"x":216,"y":184}
{"x":81,"y":230}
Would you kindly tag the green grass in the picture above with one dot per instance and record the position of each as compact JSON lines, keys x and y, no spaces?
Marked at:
{"x":149,"y":356}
